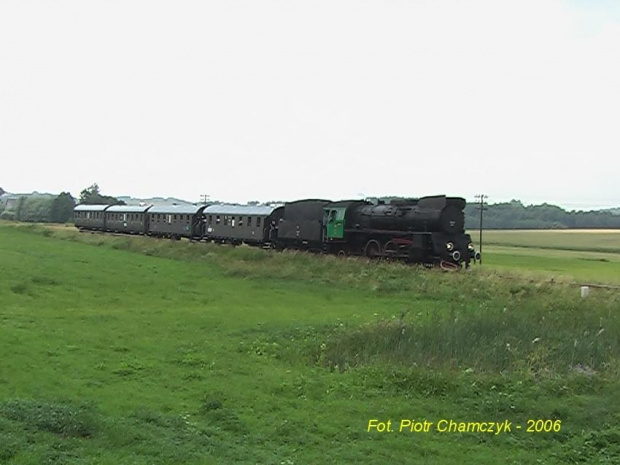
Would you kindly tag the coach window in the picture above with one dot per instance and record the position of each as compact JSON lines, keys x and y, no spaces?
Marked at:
{"x":217,"y":219}
{"x":258,"y":221}
{"x":240,"y":221}
{"x":249,"y":221}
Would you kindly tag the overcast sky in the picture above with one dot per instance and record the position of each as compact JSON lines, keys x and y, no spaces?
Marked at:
{"x":264,"y":100}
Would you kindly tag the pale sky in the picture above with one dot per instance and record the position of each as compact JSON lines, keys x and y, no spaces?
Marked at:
{"x":264,"y":100}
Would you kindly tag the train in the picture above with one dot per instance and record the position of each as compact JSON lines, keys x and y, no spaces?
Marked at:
{"x":428,"y":230}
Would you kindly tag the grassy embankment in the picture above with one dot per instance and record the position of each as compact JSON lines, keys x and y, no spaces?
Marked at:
{"x":135,"y":350}
{"x":583,"y":256}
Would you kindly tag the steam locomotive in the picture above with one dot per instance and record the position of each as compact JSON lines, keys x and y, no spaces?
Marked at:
{"x":428,"y":230}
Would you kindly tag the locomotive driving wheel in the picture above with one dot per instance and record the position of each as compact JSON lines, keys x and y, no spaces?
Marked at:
{"x":372,"y":249}
{"x":390,"y":250}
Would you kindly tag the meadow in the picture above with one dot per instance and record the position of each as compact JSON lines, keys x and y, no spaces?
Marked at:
{"x":130,"y":350}
{"x":577,"y":256}
{"x":591,"y":240}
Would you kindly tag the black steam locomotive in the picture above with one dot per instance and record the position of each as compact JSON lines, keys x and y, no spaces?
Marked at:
{"x":428,"y":230}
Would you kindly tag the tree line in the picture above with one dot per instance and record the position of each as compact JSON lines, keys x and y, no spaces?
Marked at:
{"x":45,"y":208}
{"x":515,"y":215}
{"x":508,"y":215}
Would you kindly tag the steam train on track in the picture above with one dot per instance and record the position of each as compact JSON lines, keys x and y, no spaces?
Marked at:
{"x":427,"y":230}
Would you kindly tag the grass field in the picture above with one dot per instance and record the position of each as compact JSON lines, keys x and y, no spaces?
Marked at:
{"x":591,"y":240}
{"x":121,"y":350}
{"x":580,"y":256}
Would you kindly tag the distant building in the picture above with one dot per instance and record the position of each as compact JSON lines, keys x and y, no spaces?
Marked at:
{"x":9,"y":202}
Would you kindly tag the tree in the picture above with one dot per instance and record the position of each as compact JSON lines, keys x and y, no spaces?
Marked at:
{"x":34,"y":209}
{"x":92,"y":196}
{"x":62,"y":208}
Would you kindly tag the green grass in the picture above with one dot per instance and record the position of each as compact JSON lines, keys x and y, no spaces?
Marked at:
{"x":583,"y":257}
{"x":595,"y":240}
{"x":142,"y":351}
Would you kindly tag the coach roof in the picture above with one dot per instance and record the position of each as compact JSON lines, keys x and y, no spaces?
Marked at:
{"x":176,"y":209}
{"x":90,"y":208}
{"x":241,"y":210}
{"x":127,"y":209}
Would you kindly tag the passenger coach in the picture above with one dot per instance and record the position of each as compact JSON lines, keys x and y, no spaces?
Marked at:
{"x":241,"y":223}
{"x":126,"y":219}
{"x":176,"y":221}
{"x":90,"y":217}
